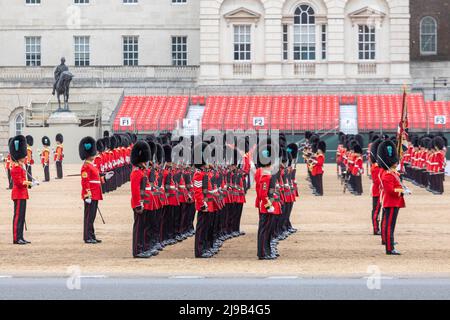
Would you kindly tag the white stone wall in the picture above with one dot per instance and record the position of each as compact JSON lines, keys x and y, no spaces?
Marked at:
{"x":105,"y":21}
{"x":341,"y":65}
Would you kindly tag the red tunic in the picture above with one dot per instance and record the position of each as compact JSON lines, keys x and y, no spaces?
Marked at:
{"x":318,"y":166}
{"x":376,"y":171}
{"x":391,"y":196}
{"x":19,"y":179}
{"x":266,"y":195}
{"x":91,"y":183}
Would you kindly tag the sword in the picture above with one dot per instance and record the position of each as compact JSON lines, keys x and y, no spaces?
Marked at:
{"x":101,"y":216}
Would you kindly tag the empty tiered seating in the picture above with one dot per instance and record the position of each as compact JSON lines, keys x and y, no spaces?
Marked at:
{"x":150,"y":113}
{"x":437,"y":108}
{"x":286,"y":113}
{"x":383,"y":112}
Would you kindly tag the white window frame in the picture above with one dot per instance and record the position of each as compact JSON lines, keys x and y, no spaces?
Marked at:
{"x":435,"y":35}
{"x":32,"y":2}
{"x":82,"y":51}
{"x":372,"y":31}
{"x":243,"y":30}
{"x":176,"y":51}
{"x":81,"y":2}
{"x":19,"y":121}
{"x":305,"y":35}
{"x":36,"y":61}
{"x":134,"y":52}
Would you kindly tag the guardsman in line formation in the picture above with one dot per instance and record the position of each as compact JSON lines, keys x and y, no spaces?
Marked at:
{"x":314,"y":155}
{"x":91,"y":190}
{"x":59,"y":155}
{"x":45,"y":158}
{"x":424,"y":162}
{"x":276,"y":192}
{"x":352,"y":163}
{"x":21,"y":184}
{"x":29,"y":161}
{"x":392,"y":193}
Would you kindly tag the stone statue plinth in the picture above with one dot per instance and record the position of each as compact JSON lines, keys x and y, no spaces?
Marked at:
{"x":64,"y":118}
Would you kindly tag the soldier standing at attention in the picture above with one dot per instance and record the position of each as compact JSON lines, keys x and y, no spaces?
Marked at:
{"x":375,"y":171}
{"x":19,"y":194}
{"x":91,"y":182}
{"x":45,"y":158}
{"x":392,"y":192}
{"x":59,"y":156}
{"x":317,"y":168}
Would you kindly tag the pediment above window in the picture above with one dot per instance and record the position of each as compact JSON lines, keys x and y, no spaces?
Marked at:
{"x":367,"y":16}
{"x":242,"y":15}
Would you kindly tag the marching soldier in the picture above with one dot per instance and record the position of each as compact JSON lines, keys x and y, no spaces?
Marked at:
{"x":91,"y":192}
{"x":438,"y":166}
{"x":45,"y":158}
{"x":392,"y":192}
{"x":358,"y":170}
{"x":59,"y":156}
{"x":29,"y":161}
{"x":21,"y":184}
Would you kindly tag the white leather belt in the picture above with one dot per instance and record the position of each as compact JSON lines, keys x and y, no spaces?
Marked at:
{"x":95,"y":181}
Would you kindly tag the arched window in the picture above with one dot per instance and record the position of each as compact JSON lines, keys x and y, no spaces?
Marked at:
{"x":304,"y":33}
{"x":428,"y":36}
{"x":19,"y":124}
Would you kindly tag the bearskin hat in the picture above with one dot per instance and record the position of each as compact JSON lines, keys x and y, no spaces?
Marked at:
{"x":415,"y":141}
{"x":167,"y":153}
{"x":59,"y":138}
{"x":30,"y":140}
{"x":18,"y":148}
{"x":106,"y":134}
{"x":292,"y":149}
{"x":45,"y":141}
{"x":199,"y":159}
{"x":87,"y":148}
{"x":159,"y":153}
{"x":374,"y":149}
{"x":314,"y":139}
{"x":113,"y":142}
{"x":308,"y":135}
{"x":387,"y":155}
{"x":357,"y":148}
{"x":438,"y":143}
{"x":322,"y":146}
{"x":375,"y":137}
{"x":360,"y":139}
{"x":141,"y":152}
{"x":100,"y":145}
{"x":106,"y":143}
{"x":265,"y":152}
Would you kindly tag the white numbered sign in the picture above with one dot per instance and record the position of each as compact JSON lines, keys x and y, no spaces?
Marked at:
{"x":440,"y":119}
{"x":258,"y":121}
{"x":125,"y":122}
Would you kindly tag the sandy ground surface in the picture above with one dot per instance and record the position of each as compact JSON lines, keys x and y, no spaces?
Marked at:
{"x":334,"y":237}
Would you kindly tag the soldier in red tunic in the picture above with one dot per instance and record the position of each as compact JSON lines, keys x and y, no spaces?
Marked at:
{"x":268,"y":200}
{"x":91,"y":183}
{"x":392,"y":192}
{"x":21,"y":184}
{"x":29,"y":161}
{"x":59,"y":156}
{"x":375,"y":174}
{"x":45,"y":158}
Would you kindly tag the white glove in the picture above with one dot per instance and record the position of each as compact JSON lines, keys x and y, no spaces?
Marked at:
{"x":271,"y":209}
{"x":34,"y":183}
{"x":88,"y":200}
{"x":407,"y":191}
{"x":109,"y":175}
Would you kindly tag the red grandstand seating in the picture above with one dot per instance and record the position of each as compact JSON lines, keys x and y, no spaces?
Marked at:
{"x":437,"y":108}
{"x":151,"y":113}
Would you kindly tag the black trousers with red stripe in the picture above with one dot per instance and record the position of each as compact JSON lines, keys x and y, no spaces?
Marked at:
{"x":139,"y":228}
{"x":90,"y":213}
{"x":30,"y":172}
{"x":202,"y":232}
{"x":59,"y":169}
{"x":265,"y":230}
{"x":391,"y":215}
{"x":46,"y":172}
{"x":20,"y":208}
{"x":376,"y":207}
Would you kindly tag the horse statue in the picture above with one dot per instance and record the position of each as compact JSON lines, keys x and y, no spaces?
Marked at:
{"x":62,"y":88}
